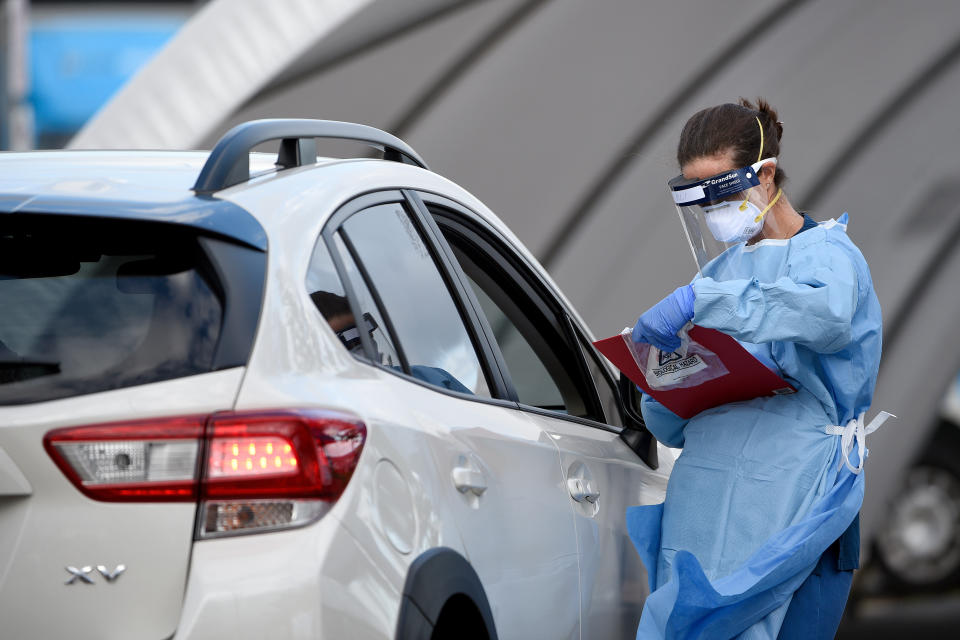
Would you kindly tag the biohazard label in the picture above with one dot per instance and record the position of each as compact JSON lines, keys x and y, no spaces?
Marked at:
{"x":675,"y":371}
{"x":668,"y":356}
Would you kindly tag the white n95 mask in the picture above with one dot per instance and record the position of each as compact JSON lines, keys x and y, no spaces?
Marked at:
{"x":733,"y":221}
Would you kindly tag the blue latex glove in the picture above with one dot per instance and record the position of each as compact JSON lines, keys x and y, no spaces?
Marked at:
{"x":661,"y":322}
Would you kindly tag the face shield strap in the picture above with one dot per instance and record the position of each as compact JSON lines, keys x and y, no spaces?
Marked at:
{"x":756,"y":169}
{"x":760,"y":155}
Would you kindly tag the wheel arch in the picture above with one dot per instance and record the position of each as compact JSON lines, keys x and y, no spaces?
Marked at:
{"x":436,"y":576}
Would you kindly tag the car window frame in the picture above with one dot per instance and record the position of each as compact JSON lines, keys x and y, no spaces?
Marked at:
{"x":532,"y":284}
{"x":479,"y":341}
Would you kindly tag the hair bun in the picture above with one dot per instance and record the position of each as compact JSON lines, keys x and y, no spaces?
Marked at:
{"x":765,"y":112}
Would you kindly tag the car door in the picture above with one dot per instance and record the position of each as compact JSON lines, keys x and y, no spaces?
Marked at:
{"x":564,"y":389}
{"x":441,"y":404}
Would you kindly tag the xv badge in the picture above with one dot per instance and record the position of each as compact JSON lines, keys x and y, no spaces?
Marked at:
{"x":111,"y":576}
{"x":83,"y":574}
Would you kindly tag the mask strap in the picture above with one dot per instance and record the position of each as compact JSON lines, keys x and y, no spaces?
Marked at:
{"x":767,"y":208}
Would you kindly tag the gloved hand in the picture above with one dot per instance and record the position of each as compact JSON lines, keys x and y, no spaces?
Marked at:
{"x":660,"y":323}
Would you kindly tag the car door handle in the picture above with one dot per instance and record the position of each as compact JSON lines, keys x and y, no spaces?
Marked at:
{"x":580,"y":490}
{"x":466,"y":479}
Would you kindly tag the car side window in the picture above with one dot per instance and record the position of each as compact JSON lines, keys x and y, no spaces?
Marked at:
{"x":395,"y":267}
{"x":328,"y":295}
{"x":545,"y":368}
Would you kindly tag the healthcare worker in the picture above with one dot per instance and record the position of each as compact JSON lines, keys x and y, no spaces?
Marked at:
{"x":759,"y":533}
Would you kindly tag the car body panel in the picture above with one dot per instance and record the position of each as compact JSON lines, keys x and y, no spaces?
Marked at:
{"x":56,"y":526}
{"x":613,"y":581}
{"x":312,"y":582}
{"x":518,"y":532}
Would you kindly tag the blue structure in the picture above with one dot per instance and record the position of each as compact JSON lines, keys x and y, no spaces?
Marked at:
{"x":77,"y":62}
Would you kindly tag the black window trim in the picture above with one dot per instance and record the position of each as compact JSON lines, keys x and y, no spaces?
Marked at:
{"x":396,"y":196}
{"x":377,"y":301}
{"x":461,"y":216}
{"x":327,"y":235}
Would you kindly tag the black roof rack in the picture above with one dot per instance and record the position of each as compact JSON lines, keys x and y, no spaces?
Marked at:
{"x":229,"y":161}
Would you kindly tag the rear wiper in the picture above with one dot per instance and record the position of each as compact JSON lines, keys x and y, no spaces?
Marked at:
{"x":18,"y":370}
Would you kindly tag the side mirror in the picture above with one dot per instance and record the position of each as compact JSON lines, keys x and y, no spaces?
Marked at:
{"x":635,"y":432}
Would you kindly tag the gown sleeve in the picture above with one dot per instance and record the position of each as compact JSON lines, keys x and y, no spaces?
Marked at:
{"x":666,"y":426}
{"x":812,"y":306}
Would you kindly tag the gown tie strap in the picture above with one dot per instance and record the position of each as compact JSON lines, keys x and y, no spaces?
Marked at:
{"x":856,"y":431}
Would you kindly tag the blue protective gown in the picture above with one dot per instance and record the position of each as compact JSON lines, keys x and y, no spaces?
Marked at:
{"x":759,"y":491}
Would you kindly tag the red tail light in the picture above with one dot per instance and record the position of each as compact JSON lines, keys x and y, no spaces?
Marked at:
{"x":281,"y":455}
{"x":253,"y":470}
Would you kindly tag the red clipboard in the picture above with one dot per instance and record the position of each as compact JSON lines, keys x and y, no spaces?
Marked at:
{"x":746,"y":377}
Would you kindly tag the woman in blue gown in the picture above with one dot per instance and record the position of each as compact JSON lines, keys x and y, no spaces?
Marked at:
{"x":759,"y":533}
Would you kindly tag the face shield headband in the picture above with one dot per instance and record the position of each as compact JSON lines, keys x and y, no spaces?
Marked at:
{"x":718,"y":188}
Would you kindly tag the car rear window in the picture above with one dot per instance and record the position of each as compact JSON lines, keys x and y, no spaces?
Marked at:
{"x":91,"y":305}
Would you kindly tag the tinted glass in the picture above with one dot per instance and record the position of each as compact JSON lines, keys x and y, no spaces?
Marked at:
{"x":532,"y":380}
{"x":534,"y":354}
{"x":92,"y":305}
{"x":328,"y":294}
{"x":545,"y":367}
{"x":402,"y":274}
{"x":372,"y":320}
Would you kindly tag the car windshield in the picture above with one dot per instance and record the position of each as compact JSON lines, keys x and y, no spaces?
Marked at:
{"x":93,"y":304}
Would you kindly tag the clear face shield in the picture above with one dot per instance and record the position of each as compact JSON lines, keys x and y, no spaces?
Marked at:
{"x":723,"y":210}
